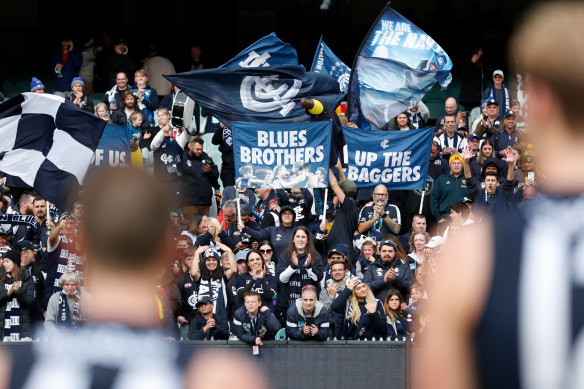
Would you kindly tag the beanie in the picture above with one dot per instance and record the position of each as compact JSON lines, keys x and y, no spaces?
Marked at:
{"x":36,"y":84}
{"x":77,"y":80}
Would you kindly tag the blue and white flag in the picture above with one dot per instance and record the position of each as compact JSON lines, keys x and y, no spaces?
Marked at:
{"x":49,"y":143}
{"x":282,"y":155}
{"x":271,"y":94}
{"x":397,"y":159}
{"x":267,"y":51}
{"x":396,"y":66}
{"x":325,"y":61}
{"x":114,"y":147}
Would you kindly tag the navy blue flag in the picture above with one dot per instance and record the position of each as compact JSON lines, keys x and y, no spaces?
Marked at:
{"x":278,"y":156}
{"x":267,"y":51}
{"x":397,"y":159}
{"x":396,"y":66}
{"x":113,"y":148}
{"x":269,"y":94}
{"x":325,"y":61}
{"x":49,"y":143}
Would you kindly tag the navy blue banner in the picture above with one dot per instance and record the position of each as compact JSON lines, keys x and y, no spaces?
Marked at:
{"x":282,"y":155}
{"x":270,"y":94}
{"x":325,"y":61}
{"x":397,"y":159}
{"x":397,"y":65}
{"x":267,"y":51}
{"x":113,"y":148}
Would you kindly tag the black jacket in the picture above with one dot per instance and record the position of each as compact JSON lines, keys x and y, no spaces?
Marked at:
{"x":25,"y":296}
{"x":265,"y":327}
{"x":374,"y":278}
{"x":296,"y":320}
{"x":219,"y":332}
{"x":369,"y":325}
{"x":197,"y":187}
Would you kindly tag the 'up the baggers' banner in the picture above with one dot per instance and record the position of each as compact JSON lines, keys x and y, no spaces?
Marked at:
{"x":269,"y":155}
{"x":397,"y":159}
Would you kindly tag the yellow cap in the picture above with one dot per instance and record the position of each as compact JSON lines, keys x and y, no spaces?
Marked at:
{"x":317,"y":109}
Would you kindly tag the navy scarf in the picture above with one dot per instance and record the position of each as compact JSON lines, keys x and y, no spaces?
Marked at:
{"x":66,"y":318}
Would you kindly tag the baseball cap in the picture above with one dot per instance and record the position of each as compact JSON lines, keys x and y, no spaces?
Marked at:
{"x":473,"y":136}
{"x":387,"y":242}
{"x":340,"y":249}
{"x":204,"y":299}
{"x":330,"y":207}
{"x":349,"y":187}
{"x":509,"y":113}
{"x":27,"y":245}
{"x":492,"y":101}
{"x":498,"y":73}
{"x":241,"y":255}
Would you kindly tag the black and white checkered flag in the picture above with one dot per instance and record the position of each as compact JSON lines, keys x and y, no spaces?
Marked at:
{"x":48,"y":142}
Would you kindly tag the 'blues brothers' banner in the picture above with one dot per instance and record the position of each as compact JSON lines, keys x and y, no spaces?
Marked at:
{"x":282,"y":155}
{"x":396,"y":66}
{"x":397,"y":159}
{"x":325,"y":61}
{"x":113,"y":148}
{"x":267,"y":51}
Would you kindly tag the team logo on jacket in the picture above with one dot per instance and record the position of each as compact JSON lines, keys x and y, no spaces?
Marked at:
{"x":463,"y":182}
{"x":189,"y":163}
{"x":188,"y":285}
{"x":278,"y":237}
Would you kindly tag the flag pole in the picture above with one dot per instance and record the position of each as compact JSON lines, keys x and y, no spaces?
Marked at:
{"x":324,"y":205}
{"x":48,"y":215}
{"x":422,"y":202}
{"x":238,"y":206}
{"x":353,"y":69}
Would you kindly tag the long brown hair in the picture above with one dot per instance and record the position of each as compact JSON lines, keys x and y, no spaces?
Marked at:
{"x":390,"y":312}
{"x":17,"y":274}
{"x":480,"y":157}
{"x":310,"y":250}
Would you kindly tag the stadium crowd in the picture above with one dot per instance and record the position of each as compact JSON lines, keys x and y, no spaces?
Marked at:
{"x":270,"y":262}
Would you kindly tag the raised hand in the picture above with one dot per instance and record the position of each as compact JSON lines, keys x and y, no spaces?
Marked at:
{"x":371,"y":307}
{"x":466,"y":153}
{"x":511,"y":156}
{"x":294,"y":258}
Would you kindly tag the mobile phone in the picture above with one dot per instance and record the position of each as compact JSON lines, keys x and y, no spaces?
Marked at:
{"x":531,"y":176}
{"x":309,"y":321}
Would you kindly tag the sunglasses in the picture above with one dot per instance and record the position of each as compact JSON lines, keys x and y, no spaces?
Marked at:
{"x":265,"y":251}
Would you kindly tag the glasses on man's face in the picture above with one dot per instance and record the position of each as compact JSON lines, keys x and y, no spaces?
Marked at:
{"x":230,"y":216}
{"x":266,"y":251}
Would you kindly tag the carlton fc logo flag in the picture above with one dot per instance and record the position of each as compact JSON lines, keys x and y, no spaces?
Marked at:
{"x":325,"y":61}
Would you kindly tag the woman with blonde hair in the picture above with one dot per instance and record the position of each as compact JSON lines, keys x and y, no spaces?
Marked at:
{"x":364,"y":317}
{"x":418,"y":241}
{"x":214,"y":235}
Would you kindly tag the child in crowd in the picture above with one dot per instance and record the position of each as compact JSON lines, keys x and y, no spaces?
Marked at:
{"x":135,"y":123}
{"x":367,"y":257}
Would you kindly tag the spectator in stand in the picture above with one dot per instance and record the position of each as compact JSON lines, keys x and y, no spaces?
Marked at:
{"x":199,"y":177}
{"x":490,"y":196}
{"x":188,"y":291}
{"x":397,"y":325}
{"x":122,"y":115}
{"x":114,"y":97}
{"x":157,"y":65}
{"x":499,"y":92}
{"x":418,"y":224}
{"x":418,"y":115}
{"x":195,"y":59}
{"x":243,"y":241}
{"x":17,"y":296}
{"x":231,"y":193}
{"x":474,"y":142}
{"x":298,"y":266}
{"x":253,"y":322}
{"x":279,"y":236}
{"x":367,"y":257}
{"x":223,"y":138}
{"x":214,"y":234}
{"x":378,"y":217}
{"x":37,"y":86}
{"x":448,"y":188}
{"x":347,"y":217}
{"x":102,"y":111}
{"x":206,"y":324}
{"x":267,"y":250}
{"x":437,"y":159}
{"x":483,"y":158}
{"x":87,"y":69}
{"x":390,"y":270}
{"x":265,"y":196}
{"x":256,"y":279}
{"x":78,"y":98}
{"x":300,"y":200}
{"x":507,"y":137}
{"x":418,"y":241}
{"x":120,"y":61}
{"x":491,"y":123}
{"x":66,"y":308}
{"x":28,"y":264}
{"x":459,"y":217}
{"x":450,"y":108}
{"x":25,"y":207}
{"x":210,"y":276}
{"x":363,"y":315}
{"x":65,"y":64}
{"x":147,"y":97}
{"x":307,"y":318}
{"x":472,"y":76}
{"x":477,"y":122}
{"x":334,"y":286}
{"x":402,"y":123}
{"x":197,"y":226}
{"x":450,"y":141}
